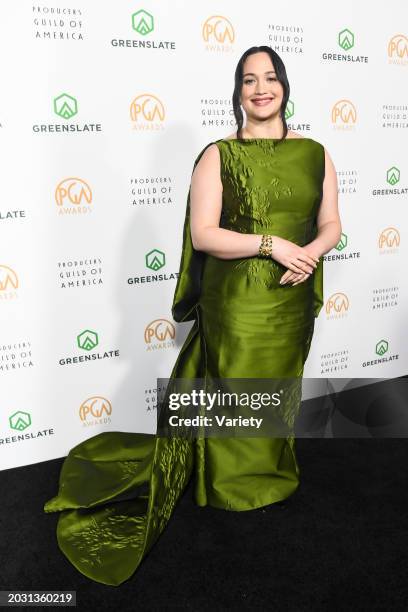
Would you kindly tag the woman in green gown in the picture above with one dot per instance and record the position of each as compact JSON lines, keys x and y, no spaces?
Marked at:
{"x":253,"y":317}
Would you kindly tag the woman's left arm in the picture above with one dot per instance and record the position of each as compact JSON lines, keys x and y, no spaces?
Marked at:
{"x":328,"y":221}
{"x":328,"y":218}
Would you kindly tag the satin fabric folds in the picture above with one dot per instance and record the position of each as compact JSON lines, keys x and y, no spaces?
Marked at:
{"x":117,"y":490}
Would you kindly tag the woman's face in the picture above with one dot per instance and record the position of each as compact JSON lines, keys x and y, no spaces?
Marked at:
{"x":262,"y":93}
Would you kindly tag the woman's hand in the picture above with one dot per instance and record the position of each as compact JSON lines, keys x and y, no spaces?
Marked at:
{"x":294,"y":278}
{"x":294,"y":257}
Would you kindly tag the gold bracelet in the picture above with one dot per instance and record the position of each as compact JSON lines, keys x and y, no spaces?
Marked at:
{"x":265,"y":248}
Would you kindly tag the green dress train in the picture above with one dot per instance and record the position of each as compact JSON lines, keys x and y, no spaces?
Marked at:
{"x":117,"y":490}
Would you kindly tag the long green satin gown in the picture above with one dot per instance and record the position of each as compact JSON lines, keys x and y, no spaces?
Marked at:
{"x":117,"y":490}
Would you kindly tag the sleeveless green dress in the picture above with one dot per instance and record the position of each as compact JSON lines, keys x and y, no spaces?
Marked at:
{"x":117,"y":490}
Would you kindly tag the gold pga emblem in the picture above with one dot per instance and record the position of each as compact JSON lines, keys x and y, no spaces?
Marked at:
{"x":147,"y":107}
{"x":389,"y":238}
{"x":218,"y":29}
{"x":159,"y":330}
{"x":95,"y":407}
{"x":337,"y":303}
{"x":74,"y":191}
{"x":344,"y":111}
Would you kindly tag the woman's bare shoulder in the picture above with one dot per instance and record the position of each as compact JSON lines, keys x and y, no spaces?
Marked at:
{"x":208,"y":161}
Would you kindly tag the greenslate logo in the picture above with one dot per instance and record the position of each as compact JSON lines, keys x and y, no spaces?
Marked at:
{"x":65,"y":106}
{"x":142,"y":22}
{"x":155,"y":259}
{"x":381,"y":347}
{"x":342,"y":242}
{"x":87,"y":340}
{"x":290,"y":110}
{"x":346,"y":39}
{"x":393,"y":175}
{"x":20,"y":420}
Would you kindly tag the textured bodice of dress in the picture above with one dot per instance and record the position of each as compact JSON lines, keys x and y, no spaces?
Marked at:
{"x":271,"y":187}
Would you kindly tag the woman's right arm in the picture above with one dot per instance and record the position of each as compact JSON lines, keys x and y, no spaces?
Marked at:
{"x":205,"y":214}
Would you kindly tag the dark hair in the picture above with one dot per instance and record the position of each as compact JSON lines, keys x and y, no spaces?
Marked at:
{"x":280,"y":75}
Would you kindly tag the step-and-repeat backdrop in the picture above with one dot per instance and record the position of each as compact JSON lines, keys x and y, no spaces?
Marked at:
{"x":104,"y":108}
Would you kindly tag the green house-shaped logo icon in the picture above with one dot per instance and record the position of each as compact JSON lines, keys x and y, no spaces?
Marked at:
{"x":342,"y":242}
{"x":290,"y":110}
{"x":381,"y":347}
{"x":142,"y":22}
{"x":87,"y":340}
{"x":155,"y":259}
{"x":346,"y":39}
{"x":393,"y":175}
{"x":65,"y":106}
{"x":20,"y":420}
